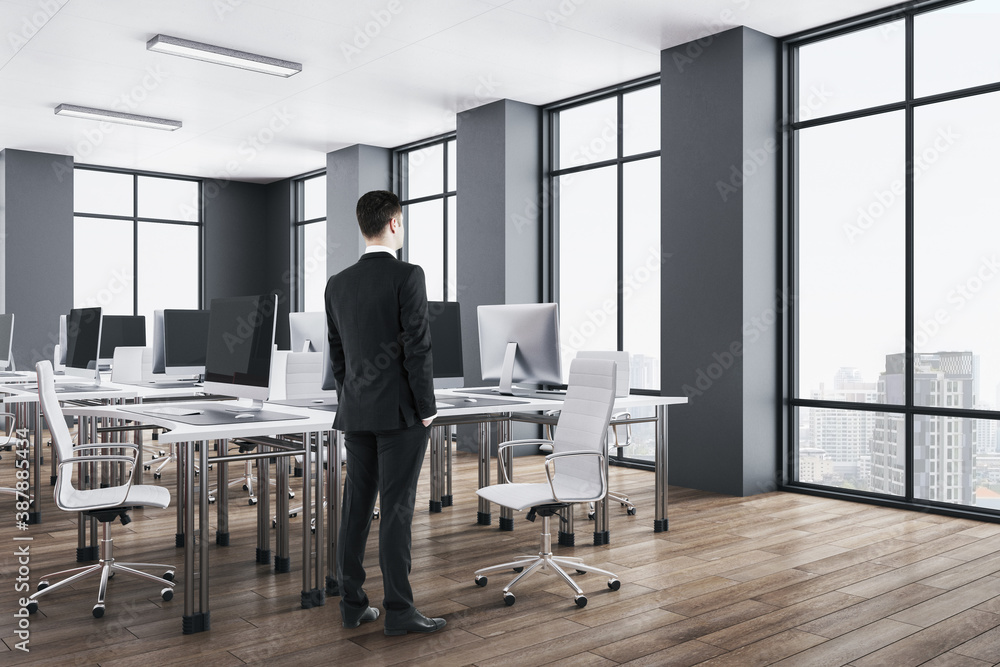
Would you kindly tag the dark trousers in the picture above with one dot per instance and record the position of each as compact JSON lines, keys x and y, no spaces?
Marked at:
{"x":387,"y":464}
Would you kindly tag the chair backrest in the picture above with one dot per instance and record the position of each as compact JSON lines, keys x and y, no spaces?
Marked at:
{"x":624,"y":367}
{"x":303,"y":374}
{"x":586,"y":412}
{"x":126,"y":364}
{"x":62,"y":441}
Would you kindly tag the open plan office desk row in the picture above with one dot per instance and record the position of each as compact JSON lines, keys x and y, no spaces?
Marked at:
{"x":314,"y":426}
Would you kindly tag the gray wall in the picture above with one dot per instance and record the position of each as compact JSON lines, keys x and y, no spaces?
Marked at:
{"x":720,"y":171}
{"x":236,"y":252}
{"x":36,"y":221}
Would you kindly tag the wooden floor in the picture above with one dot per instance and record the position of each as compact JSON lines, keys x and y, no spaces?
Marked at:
{"x":776,"y":578}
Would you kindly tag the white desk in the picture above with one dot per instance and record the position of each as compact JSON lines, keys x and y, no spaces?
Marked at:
{"x":196,"y":613}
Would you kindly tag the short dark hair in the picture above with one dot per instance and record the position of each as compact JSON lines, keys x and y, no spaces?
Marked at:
{"x":375,"y":209}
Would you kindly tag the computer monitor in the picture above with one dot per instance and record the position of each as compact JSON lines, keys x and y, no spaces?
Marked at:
{"x":446,"y":338}
{"x":185,"y":341}
{"x":83,"y":336}
{"x":308,"y":334}
{"x":120,"y":331}
{"x":520,"y":343}
{"x":240,"y":343}
{"x":61,"y":361}
{"x":6,"y":340}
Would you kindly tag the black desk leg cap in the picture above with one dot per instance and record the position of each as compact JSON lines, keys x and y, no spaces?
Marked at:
{"x":567,"y":539}
{"x":484,"y":518}
{"x":602,"y":537}
{"x":34,"y":518}
{"x":199,"y":622}
{"x":506,"y":524}
{"x":179,"y":540}
{"x":435,"y":506}
{"x":222,"y":539}
{"x":446,"y":501}
{"x":263,"y":556}
{"x":659,"y":525}
{"x":313,"y":598}
{"x":297,"y":472}
{"x":87,"y":554}
{"x":332,"y":587}
{"x":282,"y":564}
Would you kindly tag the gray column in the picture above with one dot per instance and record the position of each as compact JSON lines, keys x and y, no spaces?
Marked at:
{"x":721,"y":307}
{"x":351,"y":172}
{"x":498,"y":218}
{"x":36,"y":249}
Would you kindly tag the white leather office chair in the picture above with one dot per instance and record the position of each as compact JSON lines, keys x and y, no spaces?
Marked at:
{"x":575,"y":472}
{"x":103,"y":504}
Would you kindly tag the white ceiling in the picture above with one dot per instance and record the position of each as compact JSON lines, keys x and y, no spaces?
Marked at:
{"x":378,"y":72}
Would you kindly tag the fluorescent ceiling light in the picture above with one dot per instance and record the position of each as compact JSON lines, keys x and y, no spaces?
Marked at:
{"x":222,"y":56}
{"x":117,"y":117}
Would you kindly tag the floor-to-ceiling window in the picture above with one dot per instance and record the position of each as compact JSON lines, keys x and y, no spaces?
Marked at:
{"x":309,"y":229}
{"x":136,"y":241}
{"x":425,"y":184}
{"x":603,"y":188}
{"x":894,"y":364}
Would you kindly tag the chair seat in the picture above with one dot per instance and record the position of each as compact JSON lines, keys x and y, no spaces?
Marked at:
{"x":145,"y":494}
{"x":523,"y":496}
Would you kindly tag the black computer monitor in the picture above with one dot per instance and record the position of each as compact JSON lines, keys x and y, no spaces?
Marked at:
{"x":446,"y":338}
{"x":6,"y":339}
{"x":520,"y":343}
{"x":83,"y":336}
{"x":185,"y":341}
{"x":120,"y":331}
{"x":240,"y":342}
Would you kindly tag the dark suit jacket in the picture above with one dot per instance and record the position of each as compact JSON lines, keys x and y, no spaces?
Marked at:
{"x":380,"y":344}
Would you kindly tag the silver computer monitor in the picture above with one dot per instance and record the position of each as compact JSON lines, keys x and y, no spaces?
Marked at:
{"x":308,"y":334}
{"x":240,"y":343}
{"x":6,"y":340}
{"x":83,"y":337}
{"x":184,"y":338}
{"x":520,"y":343}
{"x":445,"y":319}
{"x":120,"y":331}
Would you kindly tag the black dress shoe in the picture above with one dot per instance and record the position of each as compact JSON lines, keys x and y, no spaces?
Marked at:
{"x":417,"y":622}
{"x":368,"y":616}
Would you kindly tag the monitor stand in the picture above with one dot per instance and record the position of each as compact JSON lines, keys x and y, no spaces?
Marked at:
{"x":256,"y":405}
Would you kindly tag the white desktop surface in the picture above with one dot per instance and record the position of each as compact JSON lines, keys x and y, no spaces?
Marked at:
{"x":108,"y":390}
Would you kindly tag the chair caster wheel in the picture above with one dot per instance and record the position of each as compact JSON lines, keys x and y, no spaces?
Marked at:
{"x":146,"y":467}
{"x":630,"y":511}
{"x":375,"y":514}
{"x":246,"y":488}
{"x":274,"y":523}
{"x":252,"y":501}
{"x":157,"y":475}
{"x":167,"y":594}
{"x":581,"y":572}
{"x":581,"y":601}
{"x":590,"y":515}
{"x":508,"y":598}
{"x":291,"y":494}
{"x":32,"y":607}
{"x":98,"y":610}
{"x":614,"y":584}
{"x":42,"y":585}
{"x":211,"y":500}
{"x":169,"y":575}
{"x":518,"y":569}
{"x":481,"y":581}
{"x":292,"y":515}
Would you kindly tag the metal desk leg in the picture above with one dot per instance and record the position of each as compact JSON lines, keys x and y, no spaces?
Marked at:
{"x":601,"y":533}
{"x":446,"y":497}
{"x":660,"y":499}
{"x":183,"y":499}
{"x":195,"y":620}
{"x":503,"y":434}
{"x":312,"y":594}
{"x":437,"y":447}
{"x":222,"y":494}
{"x":334,"y":502}
{"x":264,"y":513}
{"x":283,"y":558}
{"x":483,"y":517}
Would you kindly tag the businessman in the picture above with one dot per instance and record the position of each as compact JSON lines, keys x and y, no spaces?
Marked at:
{"x":380,"y":348}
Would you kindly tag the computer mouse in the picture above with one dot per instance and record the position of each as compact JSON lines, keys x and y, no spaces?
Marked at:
{"x":470,"y":400}
{"x":244,"y":415}
{"x":317,"y":400}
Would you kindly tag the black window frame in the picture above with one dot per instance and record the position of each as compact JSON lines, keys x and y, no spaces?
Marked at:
{"x":299,"y":223}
